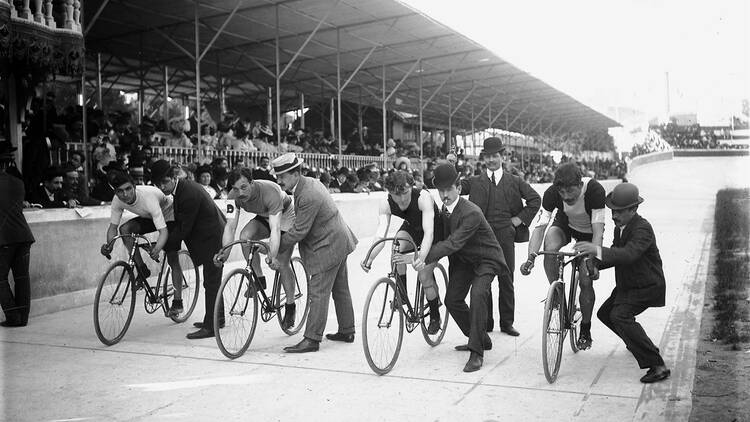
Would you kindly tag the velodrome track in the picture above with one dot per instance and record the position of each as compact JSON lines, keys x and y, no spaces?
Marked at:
{"x":56,"y":369}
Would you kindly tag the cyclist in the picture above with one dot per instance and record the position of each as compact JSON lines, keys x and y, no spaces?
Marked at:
{"x":579,"y":202}
{"x":421,"y":219}
{"x":154,"y":212}
{"x":274,"y":214}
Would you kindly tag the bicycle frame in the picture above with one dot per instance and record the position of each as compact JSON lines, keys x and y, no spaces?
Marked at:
{"x":575,"y":259}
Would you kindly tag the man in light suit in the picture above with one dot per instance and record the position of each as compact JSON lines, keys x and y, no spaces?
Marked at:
{"x":200,"y":223}
{"x":325,"y":241}
{"x":499,"y":194}
{"x":639,"y":278}
{"x":475,"y":258}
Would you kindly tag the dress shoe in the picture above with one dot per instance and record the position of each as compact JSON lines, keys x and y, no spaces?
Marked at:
{"x":584,"y":341}
{"x":346,"y":338}
{"x":434,"y":327}
{"x":199,"y":324}
{"x":474,"y":363}
{"x":465,"y":347}
{"x":656,"y":373}
{"x":8,"y":323}
{"x":304,"y":346}
{"x":289,"y":310}
{"x":509,"y":330}
{"x":202,"y":333}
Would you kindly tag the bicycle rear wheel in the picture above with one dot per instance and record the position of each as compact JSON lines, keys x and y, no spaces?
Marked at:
{"x":300,"y":298}
{"x":190,"y":286}
{"x":114,"y":303}
{"x":553,"y":331}
{"x":240,"y":312}
{"x":573,"y":314}
{"x":441,"y":281}
{"x":382,"y":326}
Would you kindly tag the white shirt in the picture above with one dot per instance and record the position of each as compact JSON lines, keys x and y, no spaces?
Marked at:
{"x":150,"y":202}
{"x":451,"y":207}
{"x":498,"y":175}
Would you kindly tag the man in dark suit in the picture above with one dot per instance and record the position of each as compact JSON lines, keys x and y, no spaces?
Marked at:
{"x":50,"y":193}
{"x":639,"y":278}
{"x":475,"y":258}
{"x":263,"y":171}
{"x":325,"y":241}
{"x":200,"y":224}
{"x":501,"y":196}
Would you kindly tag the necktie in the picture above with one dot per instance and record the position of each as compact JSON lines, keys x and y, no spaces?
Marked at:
{"x":491,"y":193}
{"x":446,"y":220}
{"x":494,"y":183}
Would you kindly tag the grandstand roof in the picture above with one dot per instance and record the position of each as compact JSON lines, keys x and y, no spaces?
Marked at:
{"x":137,"y":38}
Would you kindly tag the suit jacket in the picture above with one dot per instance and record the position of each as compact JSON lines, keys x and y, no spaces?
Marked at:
{"x":639,"y":276}
{"x":471,"y":241}
{"x":38,"y":195}
{"x":200,"y":223}
{"x":323,"y":236}
{"x":515,"y":189}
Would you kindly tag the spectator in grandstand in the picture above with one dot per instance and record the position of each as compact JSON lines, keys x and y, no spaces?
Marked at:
{"x":263,"y":170}
{"x":49,"y":194}
{"x":177,"y":137}
{"x":219,"y":180}
{"x":403,"y":164}
{"x":138,"y":173}
{"x":73,"y":191}
{"x":203,"y":176}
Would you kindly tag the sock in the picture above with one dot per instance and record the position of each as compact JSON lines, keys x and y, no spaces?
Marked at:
{"x":586,"y":327}
{"x":434,"y":308}
{"x":290,"y":307}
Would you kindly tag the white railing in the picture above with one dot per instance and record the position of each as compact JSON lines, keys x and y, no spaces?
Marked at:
{"x":39,"y":12}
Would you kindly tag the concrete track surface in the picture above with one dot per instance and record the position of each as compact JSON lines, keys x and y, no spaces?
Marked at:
{"x":56,"y":370}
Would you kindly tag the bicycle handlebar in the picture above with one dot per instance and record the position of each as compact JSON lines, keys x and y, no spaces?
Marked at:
{"x":389,"y":239}
{"x":255,"y":243}
{"x":561,"y":254}
{"x":133,"y":236}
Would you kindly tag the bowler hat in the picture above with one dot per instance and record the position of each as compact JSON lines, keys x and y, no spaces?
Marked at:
{"x":624,"y":195}
{"x":493,"y":145}
{"x":285,"y":162}
{"x":159,"y":170}
{"x":445,"y":176}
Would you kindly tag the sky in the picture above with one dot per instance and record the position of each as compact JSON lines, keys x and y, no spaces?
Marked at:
{"x":617,"y":53}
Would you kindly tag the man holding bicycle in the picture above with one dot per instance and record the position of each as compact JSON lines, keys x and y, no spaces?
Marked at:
{"x":274,"y":215}
{"x":421,"y":217}
{"x":639,"y":278}
{"x":154,"y":212}
{"x":579,"y":202}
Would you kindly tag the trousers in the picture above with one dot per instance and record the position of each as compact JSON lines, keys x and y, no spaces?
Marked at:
{"x":333,"y":282}
{"x":15,"y":302}
{"x":620,"y":318}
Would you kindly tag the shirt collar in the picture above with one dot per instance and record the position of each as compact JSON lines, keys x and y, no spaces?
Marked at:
{"x":498,"y":174}
{"x":452,"y":206}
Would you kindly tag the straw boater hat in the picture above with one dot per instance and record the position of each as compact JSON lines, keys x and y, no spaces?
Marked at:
{"x":285,"y":162}
{"x":624,"y":195}
{"x":402,"y":160}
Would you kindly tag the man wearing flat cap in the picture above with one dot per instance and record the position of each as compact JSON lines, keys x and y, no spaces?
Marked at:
{"x":509,"y":203}
{"x":325,"y":241}
{"x":475,"y":258}
{"x":639,"y":278}
{"x":200,"y":223}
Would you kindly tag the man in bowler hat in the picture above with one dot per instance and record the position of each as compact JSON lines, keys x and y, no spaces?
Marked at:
{"x":509,"y":204}
{"x":639,"y":278}
{"x":475,"y":258}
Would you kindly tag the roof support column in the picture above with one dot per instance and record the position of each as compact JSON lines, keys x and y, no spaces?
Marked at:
{"x":197,"y":75}
{"x":332,"y":121}
{"x":269,"y":108}
{"x":302,"y":108}
{"x":450,"y":122}
{"x":165,"y":112}
{"x":385,"y":99}
{"x":84,"y":118}
{"x":359,"y":118}
{"x":278,"y":82}
{"x":473,"y":139}
{"x":421,"y":150}
{"x":338,"y":87}
{"x":99,"y":81}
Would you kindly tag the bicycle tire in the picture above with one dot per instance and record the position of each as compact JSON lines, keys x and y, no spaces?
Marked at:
{"x":441,"y":280}
{"x":119,"y":287}
{"x":190,"y":286}
{"x":573,"y":315}
{"x":301,"y":299}
{"x":553,"y":331}
{"x":240,"y":311}
{"x":381,"y":305}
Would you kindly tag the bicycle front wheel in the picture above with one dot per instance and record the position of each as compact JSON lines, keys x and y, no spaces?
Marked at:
{"x":574,"y":315}
{"x":240,"y":313}
{"x":553,"y":331}
{"x":441,"y":283}
{"x":190,"y":281}
{"x":382,"y":326}
{"x":114,"y":303}
{"x":300,"y":298}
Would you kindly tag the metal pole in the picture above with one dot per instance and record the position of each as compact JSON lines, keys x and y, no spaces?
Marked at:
{"x":385,"y":129}
{"x":332,"y":121}
{"x":450,"y":124}
{"x":197,"y":75}
{"x":473,"y":140}
{"x":359,"y":118}
{"x":84,"y":134}
{"x":165,"y":112}
{"x":302,"y":109}
{"x":278,"y":83}
{"x":270,"y":108}
{"x":99,"y":81}
{"x":421,"y":149}
{"x":338,"y":85}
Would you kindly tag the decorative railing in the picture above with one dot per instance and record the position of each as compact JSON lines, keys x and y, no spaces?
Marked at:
{"x":246,"y":158}
{"x":59,"y":14}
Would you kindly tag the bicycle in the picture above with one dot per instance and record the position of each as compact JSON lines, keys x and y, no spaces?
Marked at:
{"x":238,"y":294}
{"x":386,"y":309}
{"x":560,"y":315}
{"x":117,"y":289}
